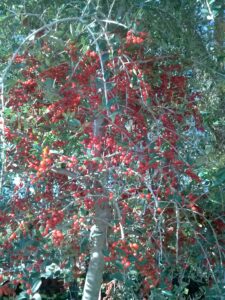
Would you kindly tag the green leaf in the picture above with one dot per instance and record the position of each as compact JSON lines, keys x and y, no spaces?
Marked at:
{"x":36,"y":285}
{"x":177,"y":198}
{"x":83,"y":244}
{"x":96,"y":234}
{"x":129,"y":283}
{"x":148,"y":101}
{"x":106,"y":252}
{"x":105,"y":57}
{"x":49,"y":82}
{"x":7,"y":111}
{"x":118,"y":276}
{"x":46,"y":274}
{"x":132,"y":258}
{"x":110,"y":85}
{"x":167,"y":293}
{"x":113,"y":116}
{"x":74,"y":123}
{"x":220,"y":177}
{"x":111,"y":102}
{"x":36,"y":296}
{"x":83,"y":212}
{"x":119,"y":264}
{"x":22,"y":295}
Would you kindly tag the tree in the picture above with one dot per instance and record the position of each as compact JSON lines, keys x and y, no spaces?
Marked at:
{"x":98,"y":141}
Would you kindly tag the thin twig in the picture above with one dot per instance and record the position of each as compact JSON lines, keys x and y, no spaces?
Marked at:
{"x":114,"y":22}
{"x":2,"y":128}
{"x":120,"y":218}
{"x":177,"y":231}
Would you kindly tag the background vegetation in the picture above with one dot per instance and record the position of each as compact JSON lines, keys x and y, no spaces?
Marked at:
{"x":37,"y":38}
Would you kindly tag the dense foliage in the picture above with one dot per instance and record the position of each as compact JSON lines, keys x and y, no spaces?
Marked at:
{"x":104,"y":169}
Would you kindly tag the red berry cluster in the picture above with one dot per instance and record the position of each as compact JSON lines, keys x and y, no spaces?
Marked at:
{"x":46,"y":162}
{"x":131,"y":38}
{"x":57,"y":237}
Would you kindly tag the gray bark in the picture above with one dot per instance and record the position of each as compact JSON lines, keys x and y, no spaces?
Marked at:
{"x":94,"y":275}
{"x":98,"y":238}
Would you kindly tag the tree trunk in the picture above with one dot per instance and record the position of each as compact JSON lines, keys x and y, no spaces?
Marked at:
{"x":94,"y":275}
{"x":98,"y":236}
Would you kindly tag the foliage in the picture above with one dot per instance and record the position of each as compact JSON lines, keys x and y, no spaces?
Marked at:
{"x":98,"y":117}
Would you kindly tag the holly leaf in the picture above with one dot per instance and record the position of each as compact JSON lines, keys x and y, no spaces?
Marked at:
{"x":36,"y":285}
